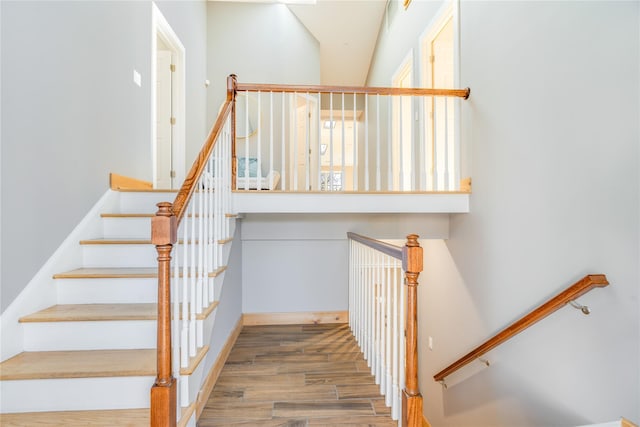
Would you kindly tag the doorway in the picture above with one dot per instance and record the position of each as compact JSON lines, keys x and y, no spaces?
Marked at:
{"x":167,"y":104}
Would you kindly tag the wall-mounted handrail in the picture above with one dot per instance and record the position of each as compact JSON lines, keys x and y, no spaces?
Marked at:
{"x":574,"y":291}
{"x":382,"y":315}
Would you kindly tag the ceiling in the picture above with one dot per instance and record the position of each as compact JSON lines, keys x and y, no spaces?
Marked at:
{"x":347,"y":31}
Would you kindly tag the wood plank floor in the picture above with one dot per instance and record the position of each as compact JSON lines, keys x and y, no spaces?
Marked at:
{"x":296,"y":375}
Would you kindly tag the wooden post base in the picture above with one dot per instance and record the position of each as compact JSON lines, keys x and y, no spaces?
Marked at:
{"x":411,"y":409}
{"x":163,"y":404}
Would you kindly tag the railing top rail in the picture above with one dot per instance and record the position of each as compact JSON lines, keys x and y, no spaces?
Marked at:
{"x":190,"y":183}
{"x":574,"y":291}
{"x":255,"y":87}
{"x":384,"y":247}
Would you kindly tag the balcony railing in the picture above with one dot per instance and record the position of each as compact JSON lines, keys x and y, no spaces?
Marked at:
{"x":347,"y":139}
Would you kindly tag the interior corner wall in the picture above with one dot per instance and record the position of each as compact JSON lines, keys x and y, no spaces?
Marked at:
{"x":553,"y":125}
{"x":188,"y":19}
{"x":260,"y":43}
{"x":70,"y":115}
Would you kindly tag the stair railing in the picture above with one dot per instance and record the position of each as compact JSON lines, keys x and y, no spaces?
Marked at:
{"x":298,"y":138}
{"x":383,"y":316}
{"x":198,"y":216}
{"x":565,"y":297}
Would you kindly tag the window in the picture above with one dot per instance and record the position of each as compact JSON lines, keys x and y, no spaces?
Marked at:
{"x":439,"y":56}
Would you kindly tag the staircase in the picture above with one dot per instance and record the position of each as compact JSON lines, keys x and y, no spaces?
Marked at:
{"x":91,"y":358}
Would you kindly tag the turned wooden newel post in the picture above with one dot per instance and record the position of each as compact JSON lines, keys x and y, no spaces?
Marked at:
{"x":232,"y":83}
{"x":163,"y":392}
{"x":411,"y":397}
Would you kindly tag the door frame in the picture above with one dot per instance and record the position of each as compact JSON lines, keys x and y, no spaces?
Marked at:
{"x":160,"y":28}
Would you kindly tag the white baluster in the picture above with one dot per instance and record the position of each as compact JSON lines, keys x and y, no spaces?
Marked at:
{"x":283,"y":149}
{"x":192,"y":282}
{"x":389,"y":338}
{"x":246,"y":144}
{"x":389,"y":144}
{"x":329,"y":183}
{"x":343,"y":174}
{"x":271,"y":166}
{"x":307,"y":142}
{"x":184,"y":335}
{"x":447,"y":184}
{"x":259,"y":153}
{"x":378,"y":166}
{"x":355,"y":146}
{"x":436,"y":168}
{"x":395,"y":402}
{"x":366,"y":142}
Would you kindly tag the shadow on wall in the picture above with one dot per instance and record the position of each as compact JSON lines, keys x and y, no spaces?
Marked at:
{"x":527,"y":405}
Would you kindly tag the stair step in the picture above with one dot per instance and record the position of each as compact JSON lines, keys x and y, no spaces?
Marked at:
{"x":79,"y":364}
{"x":93,"y":312}
{"x":108,"y":418}
{"x":122,"y":273}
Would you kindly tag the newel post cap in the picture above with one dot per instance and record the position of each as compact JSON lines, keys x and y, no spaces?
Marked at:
{"x":412,"y":255}
{"x":232,"y":82}
{"x":164,"y":230}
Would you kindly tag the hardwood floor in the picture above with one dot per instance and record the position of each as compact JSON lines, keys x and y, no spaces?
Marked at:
{"x":294,"y":376}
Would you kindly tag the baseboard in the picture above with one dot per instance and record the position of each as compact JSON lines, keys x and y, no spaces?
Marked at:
{"x":214,"y":372}
{"x":306,"y":318}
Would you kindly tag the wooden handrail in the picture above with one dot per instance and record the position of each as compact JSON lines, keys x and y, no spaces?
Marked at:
{"x":255,"y":87}
{"x":378,"y":245}
{"x":190,"y":182}
{"x":574,"y":291}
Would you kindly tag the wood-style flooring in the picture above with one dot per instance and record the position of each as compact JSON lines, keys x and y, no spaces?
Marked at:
{"x":294,"y":376}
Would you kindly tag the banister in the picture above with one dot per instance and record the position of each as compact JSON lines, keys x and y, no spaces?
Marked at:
{"x":411,"y":256}
{"x":384,"y":247}
{"x":574,"y":291}
{"x":255,"y":87}
{"x":189,"y":185}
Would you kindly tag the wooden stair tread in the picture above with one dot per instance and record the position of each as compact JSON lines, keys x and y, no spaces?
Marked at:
{"x":103,"y":312}
{"x":94,"y":312}
{"x":105,"y":418}
{"x":119,"y":273}
{"x":79,"y":364}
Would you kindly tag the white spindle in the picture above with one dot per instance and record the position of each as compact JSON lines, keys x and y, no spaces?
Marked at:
{"x":259,"y":143}
{"x":318,"y":156}
{"x":329,"y":184}
{"x":401,"y":144}
{"x":192,"y":282}
{"x":283,"y":139}
{"x":436,"y":168}
{"x":366,"y":142}
{"x":355,"y":146}
{"x":389,"y":335}
{"x":343,"y":174}
{"x":389,"y":144}
{"x":246,"y":143}
{"x":446,"y":145}
{"x":378,"y":142}
{"x":307,"y":142}
{"x":271,"y":166}
{"x":295,"y":141}
{"x":395,"y":407}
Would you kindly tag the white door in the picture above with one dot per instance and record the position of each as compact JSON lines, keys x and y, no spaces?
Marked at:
{"x":403,"y":142}
{"x":164,"y":125}
{"x":305,"y":145}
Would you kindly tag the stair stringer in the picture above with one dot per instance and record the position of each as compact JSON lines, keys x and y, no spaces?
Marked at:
{"x":40,"y":292}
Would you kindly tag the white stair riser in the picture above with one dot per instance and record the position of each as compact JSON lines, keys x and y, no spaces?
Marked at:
{"x":75,"y":394}
{"x":102,"y":335}
{"x":107,"y":291}
{"x":190,"y":385}
{"x":143,"y":202}
{"x":134,"y":255}
{"x":132,"y":228}
{"x":123,"y":256}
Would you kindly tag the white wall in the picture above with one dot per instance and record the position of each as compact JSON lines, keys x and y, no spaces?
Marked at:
{"x":553,"y":123}
{"x":298,"y":262}
{"x":71,"y":114}
{"x":260,"y":43}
